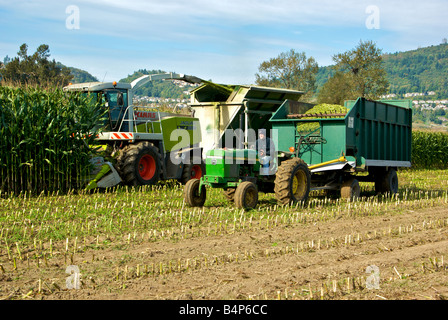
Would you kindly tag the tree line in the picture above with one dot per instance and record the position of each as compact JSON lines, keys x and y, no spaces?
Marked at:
{"x":34,"y":69}
{"x":363,"y":71}
{"x":358,"y":72}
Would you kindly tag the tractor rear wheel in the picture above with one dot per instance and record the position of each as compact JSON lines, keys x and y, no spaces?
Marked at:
{"x":246,"y":195}
{"x":140,"y":164}
{"x":292,"y":182}
{"x":192,"y":195}
{"x":350,"y":189}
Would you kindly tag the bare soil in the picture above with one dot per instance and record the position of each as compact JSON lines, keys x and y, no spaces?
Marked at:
{"x":323,"y":260}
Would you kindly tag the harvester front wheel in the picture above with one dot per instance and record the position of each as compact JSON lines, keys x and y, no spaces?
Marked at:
{"x":192,"y":195}
{"x":350,"y":189}
{"x":292,"y":182}
{"x":140,"y":164}
{"x":246,"y":195}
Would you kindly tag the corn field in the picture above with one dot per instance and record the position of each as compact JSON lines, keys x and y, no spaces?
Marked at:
{"x":45,"y":137}
{"x":429,"y":149}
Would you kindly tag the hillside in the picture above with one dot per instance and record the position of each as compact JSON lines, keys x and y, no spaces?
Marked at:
{"x":420,"y":70}
{"x":80,"y":76}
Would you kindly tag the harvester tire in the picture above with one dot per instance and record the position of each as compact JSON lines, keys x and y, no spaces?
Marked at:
{"x":229,"y":193}
{"x":192,"y":195}
{"x":140,"y":164}
{"x":350,"y":190}
{"x":246,"y":195}
{"x":292,"y":182}
{"x":193,"y":170}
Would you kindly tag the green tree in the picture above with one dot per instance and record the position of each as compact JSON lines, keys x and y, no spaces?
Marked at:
{"x":289,"y":70}
{"x":337,"y":89}
{"x":362,"y":69}
{"x":36,"y":68}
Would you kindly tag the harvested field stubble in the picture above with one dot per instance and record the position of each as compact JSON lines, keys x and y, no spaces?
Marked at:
{"x":147,"y":244}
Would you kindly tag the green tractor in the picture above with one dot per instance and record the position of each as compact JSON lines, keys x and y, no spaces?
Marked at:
{"x":368,"y":142}
{"x":232,"y":115}
{"x":140,"y":144}
{"x":241,"y":174}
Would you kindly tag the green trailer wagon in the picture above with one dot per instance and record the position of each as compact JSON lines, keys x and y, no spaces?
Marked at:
{"x":373,"y":137}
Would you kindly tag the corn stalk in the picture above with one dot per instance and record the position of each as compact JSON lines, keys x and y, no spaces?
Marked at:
{"x":44,"y":138}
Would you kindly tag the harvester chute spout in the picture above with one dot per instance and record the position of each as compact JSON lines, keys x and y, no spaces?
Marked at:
{"x":164,"y":76}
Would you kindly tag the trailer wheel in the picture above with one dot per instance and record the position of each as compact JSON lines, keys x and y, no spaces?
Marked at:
{"x":350,"y":189}
{"x":229,"y":193}
{"x":387,"y":182}
{"x":194,"y":170}
{"x":246,"y":195}
{"x":192,"y":195}
{"x":140,"y":164}
{"x":292,"y":182}
{"x":390,"y":182}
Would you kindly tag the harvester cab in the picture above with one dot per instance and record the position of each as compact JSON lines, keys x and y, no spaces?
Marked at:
{"x":139,"y":139}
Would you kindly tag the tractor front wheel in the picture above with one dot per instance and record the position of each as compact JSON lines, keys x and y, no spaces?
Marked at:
{"x":192,"y":195}
{"x":246,"y":195}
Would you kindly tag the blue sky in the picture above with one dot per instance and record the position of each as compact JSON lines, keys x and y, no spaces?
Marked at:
{"x":220,"y":40}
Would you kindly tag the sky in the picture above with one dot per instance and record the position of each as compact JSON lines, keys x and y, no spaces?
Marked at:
{"x":224,"y":41}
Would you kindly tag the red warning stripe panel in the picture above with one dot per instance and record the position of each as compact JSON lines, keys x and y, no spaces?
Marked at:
{"x":122,"y":135}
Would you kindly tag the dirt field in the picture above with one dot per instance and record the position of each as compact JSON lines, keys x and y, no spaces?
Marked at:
{"x":278,"y":260}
